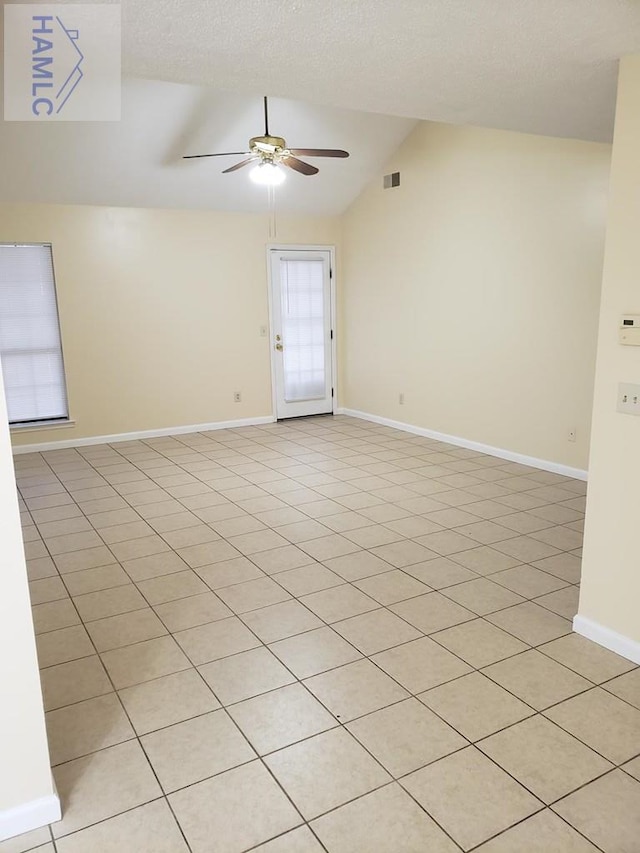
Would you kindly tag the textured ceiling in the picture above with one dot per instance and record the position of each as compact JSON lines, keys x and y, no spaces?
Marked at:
{"x":540,"y":66}
{"x":138,"y":160}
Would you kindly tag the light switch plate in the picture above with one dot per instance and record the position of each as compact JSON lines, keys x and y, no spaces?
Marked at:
{"x":628,"y":399}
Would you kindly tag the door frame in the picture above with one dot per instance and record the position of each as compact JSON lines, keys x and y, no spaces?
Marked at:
{"x":304,"y":247}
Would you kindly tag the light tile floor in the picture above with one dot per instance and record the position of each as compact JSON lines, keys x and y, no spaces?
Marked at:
{"x":321,"y":635}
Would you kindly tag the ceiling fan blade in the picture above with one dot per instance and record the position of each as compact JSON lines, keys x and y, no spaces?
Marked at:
{"x":240,"y":165}
{"x":299,"y":165}
{"x":223,"y":154}
{"x":319,"y":152}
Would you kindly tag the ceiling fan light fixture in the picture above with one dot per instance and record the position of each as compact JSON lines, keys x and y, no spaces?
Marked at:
{"x":267,"y":175}
{"x":273,"y":152}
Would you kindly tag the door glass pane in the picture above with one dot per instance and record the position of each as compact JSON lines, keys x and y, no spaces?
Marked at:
{"x":303,"y":324}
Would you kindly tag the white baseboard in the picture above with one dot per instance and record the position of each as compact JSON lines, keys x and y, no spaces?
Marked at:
{"x":136,"y":436}
{"x":509,"y":455}
{"x":29,"y":816}
{"x":618,"y":643}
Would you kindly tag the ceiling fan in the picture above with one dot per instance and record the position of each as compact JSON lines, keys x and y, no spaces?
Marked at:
{"x":269,"y":152}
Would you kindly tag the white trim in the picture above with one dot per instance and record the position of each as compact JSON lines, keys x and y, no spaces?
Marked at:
{"x":305,"y":247}
{"x":136,"y":436}
{"x":334,"y":327}
{"x":618,"y":643}
{"x":29,"y":816}
{"x":272,"y":366}
{"x":511,"y":456}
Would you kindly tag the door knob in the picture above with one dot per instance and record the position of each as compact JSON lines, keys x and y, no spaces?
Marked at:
{"x":279,"y":346}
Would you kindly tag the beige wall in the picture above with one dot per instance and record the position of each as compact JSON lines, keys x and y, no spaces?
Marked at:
{"x":610,"y":592}
{"x":160,"y":311}
{"x":25,"y":776}
{"x":473,"y":288}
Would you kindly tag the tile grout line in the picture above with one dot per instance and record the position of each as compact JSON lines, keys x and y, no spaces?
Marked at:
{"x":297,"y":598}
{"x":136,"y":737}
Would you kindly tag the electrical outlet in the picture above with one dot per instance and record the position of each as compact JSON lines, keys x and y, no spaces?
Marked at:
{"x":401,"y":398}
{"x":571,"y":436}
{"x":628,"y":399}
{"x":237,"y":397}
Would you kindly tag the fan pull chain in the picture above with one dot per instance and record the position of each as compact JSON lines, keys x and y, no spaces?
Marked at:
{"x":273,"y":222}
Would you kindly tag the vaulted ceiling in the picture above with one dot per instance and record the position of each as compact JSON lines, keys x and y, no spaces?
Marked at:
{"x":539,"y":66}
{"x":138,"y":161}
{"x":354,"y":75}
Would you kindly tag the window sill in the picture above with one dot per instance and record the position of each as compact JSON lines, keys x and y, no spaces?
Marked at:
{"x":40,"y":425}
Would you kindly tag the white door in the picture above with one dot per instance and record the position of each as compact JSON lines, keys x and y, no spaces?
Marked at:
{"x":301,"y":332}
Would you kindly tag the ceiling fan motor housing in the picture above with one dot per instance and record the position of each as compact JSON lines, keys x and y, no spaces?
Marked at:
{"x":267,"y":147}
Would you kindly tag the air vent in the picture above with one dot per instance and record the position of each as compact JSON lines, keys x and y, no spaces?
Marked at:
{"x":392,"y":180}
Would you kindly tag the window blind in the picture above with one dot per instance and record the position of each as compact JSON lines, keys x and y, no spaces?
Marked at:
{"x":30,"y":347}
{"x":303,"y":329}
